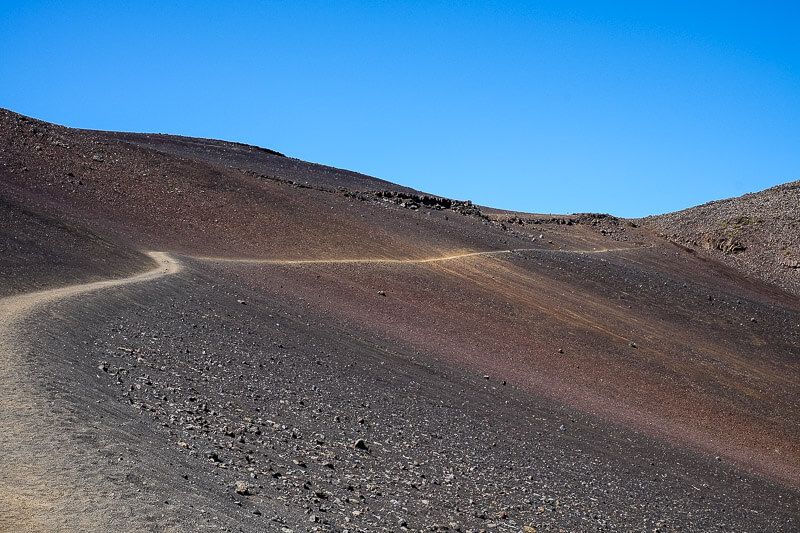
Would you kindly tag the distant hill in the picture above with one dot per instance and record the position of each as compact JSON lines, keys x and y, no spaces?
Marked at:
{"x":757,"y":233}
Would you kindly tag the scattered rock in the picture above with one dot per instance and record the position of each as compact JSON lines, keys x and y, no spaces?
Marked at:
{"x":242,"y":488}
{"x":213,"y":456}
{"x":728,"y":245}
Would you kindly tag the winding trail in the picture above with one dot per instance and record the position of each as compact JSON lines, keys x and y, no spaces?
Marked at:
{"x":400,"y":261}
{"x":41,"y":488}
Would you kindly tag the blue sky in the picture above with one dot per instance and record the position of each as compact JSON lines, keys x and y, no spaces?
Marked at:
{"x":629,"y":108}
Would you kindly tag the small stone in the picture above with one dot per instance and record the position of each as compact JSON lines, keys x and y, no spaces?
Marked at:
{"x":381,"y":293}
{"x":242,"y":488}
{"x":213,"y":456}
{"x":360,"y":444}
{"x":242,"y":302}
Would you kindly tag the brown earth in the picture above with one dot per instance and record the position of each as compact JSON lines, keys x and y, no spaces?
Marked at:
{"x":318,"y":306}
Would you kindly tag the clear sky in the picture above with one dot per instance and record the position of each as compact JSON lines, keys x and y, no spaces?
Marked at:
{"x":629,"y":108}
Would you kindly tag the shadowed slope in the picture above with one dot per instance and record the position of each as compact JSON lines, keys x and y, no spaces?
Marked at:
{"x":40,"y":250}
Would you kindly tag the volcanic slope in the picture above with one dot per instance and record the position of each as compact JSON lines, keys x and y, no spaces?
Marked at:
{"x":758,"y":234}
{"x":341,"y":353}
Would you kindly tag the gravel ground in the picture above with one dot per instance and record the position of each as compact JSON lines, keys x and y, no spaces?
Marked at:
{"x":269,"y":420}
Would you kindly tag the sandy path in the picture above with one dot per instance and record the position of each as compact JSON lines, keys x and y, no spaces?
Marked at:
{"x":436,"y":259}
{"x":40,"y":486}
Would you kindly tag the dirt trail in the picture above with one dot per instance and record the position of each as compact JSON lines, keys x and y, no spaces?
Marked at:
{"x":436,"y":259}
{"x":40,"y":488}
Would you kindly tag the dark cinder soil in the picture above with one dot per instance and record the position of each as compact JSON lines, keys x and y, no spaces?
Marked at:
{"x":38,"y":251}
{"x":267,"y":163}
{"x":212,"y":391}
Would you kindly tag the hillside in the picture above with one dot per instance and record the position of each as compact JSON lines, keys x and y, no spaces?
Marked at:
{"x":206,"y":335}
{"x":758,"y":234}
